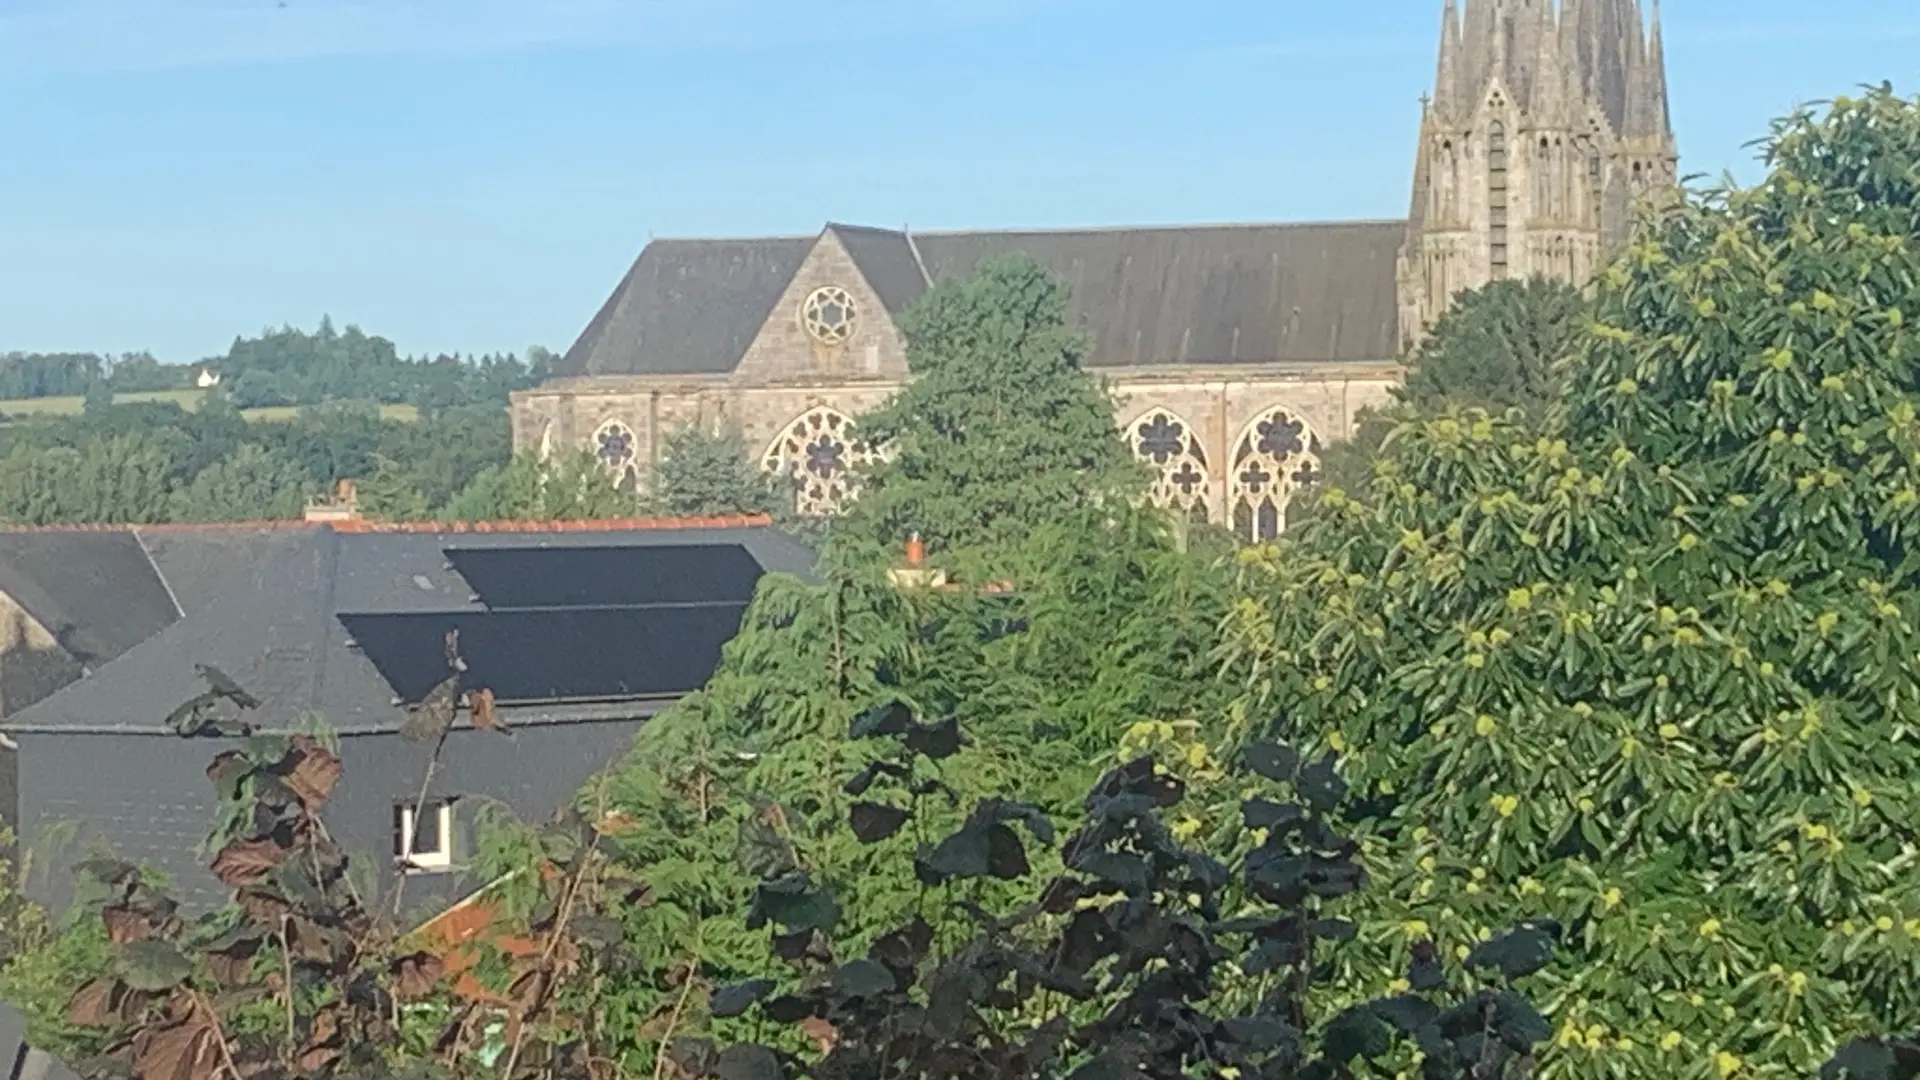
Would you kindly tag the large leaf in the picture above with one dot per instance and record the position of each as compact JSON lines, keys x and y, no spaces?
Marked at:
{"x":893,"y":718}
{"x":728,"y":1001}
{"x":1515,"y":954}
{"x":153,"y":965}
{"x":873,"y":822}
{"x":794,"y":903}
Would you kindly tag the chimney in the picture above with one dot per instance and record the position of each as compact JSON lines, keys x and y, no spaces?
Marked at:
{"x":343,"y":505}
{"x":915,"y":573}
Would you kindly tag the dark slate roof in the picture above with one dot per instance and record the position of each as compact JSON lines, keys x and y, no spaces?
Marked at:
{"x":687,"y":307}
{"x":277,"y":625}
{"x":98,"y":593}
{"x":1185,"y":295}
{"x":202,"y":565}
{"x":887,"y":260}
{"x":1226,"y":294}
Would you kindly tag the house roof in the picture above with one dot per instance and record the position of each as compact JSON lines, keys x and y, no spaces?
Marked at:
{"x":280,"y":609}
{"x":98,"y":594}
{"x":1175,"y":295}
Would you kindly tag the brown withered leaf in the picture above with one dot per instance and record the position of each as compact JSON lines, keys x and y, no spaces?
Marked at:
{"x":247,"y":862}
{"x":125,"y":924}
{"x":313,"y":774}
{"x":820,"y":1031}
{"x":233,"y":964}
{"x":321,"y":944}
{"x":94,"y":1005}
{"x":480,"y":704}
{"x":415,"y":976}
{"x":324,"y":1043}
{"x":263,"y":906}
{"x":311,"y":1059}
{"x":186,"y":1049}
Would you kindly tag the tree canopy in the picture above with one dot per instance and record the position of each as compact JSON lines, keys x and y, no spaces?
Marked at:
{"x":1650,"y":669}
{"x":999,"y":428}
{"x":1502,"y":346}
{"x":706,"y":471}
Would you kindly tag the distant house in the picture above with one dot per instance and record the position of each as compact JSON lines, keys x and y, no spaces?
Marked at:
{"x":207,"y":378}
{"x":580,"y":632}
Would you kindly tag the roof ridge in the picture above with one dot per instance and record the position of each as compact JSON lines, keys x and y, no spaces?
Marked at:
{"x":1165,"y":227}
{"x":620,"y":524}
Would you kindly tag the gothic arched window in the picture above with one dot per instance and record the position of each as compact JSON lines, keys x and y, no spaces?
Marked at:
{"x":817,"y":456}
{"x":1275,"y":456}
{"x":1497,"y":197}
{"x":1170,"y":447}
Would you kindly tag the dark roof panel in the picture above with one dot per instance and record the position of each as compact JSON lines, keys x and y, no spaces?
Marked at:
{"x":97,"y":593}
{"x":1228,"y":294}
{"x":609,"y":576}
{"x":687,"y":307}
{"x":582,"y":654}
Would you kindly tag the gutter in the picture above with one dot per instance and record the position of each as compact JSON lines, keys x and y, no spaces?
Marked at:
{"x":516,"y":716}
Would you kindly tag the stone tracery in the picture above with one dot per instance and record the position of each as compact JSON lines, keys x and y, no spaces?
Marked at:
{"x":818,"y":456}
{"x":618,"y":449}
{"x":1276,"y":455}
{"x":1169,"y":445}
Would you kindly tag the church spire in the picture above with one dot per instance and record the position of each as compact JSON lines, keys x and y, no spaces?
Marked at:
{"x":1446,"y":76}
{"x":1658,"y":110}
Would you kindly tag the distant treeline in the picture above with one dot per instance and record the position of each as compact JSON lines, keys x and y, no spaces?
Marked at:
{"x":286,"y":367}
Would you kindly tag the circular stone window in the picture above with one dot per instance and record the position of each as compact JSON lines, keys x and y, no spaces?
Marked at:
{"x":827,"y":315}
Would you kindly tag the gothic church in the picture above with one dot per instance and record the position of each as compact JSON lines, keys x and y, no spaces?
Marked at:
{"x":1233,"y":350}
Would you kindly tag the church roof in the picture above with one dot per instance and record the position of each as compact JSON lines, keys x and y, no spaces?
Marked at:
{"x":1181,"y":295}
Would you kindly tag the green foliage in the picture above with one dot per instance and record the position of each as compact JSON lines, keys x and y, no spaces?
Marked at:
{"x":1502,"y":346}
{"x":1000,"y":428}
{"x":118,"y":480}
{"x":294,"y":367}
{"x":254,"y":484}
{"x":708,"y":471}
{"x":570,"y":486}
{"x":1650,"y":672}
{"x":1125,"y":961}
{"x":33,"y":375}
{"x":750,"y":772}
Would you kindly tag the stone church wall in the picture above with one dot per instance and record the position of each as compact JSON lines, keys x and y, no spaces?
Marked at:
{"x":1216,"y":413}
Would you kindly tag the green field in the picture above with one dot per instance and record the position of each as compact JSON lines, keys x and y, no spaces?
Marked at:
{"x":186,"y":399}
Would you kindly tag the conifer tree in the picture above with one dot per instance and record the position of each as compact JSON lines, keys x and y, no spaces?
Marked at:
{"x":999,"y":430}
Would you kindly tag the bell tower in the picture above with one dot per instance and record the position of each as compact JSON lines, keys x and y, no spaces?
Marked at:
{"x":1545,"y":127}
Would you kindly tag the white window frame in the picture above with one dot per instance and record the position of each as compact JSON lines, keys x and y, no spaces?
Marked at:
{"x":426,"y":861}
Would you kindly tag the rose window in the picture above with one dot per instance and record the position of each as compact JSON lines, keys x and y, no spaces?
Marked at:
{"x":827,"y":315}
{"x":614,"y":445}
{"x":819,"y":459}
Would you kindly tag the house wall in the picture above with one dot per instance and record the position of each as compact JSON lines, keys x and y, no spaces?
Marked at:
{"x":141,"y":798}
{"x":146,"y":799}
{"x":533,"y":772}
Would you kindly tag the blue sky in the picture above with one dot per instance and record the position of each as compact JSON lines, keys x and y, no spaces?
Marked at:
{"x":476,"y":174}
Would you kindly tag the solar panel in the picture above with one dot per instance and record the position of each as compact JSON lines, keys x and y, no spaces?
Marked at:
{"x":610,"y":575}
{"x":563,"y":655}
